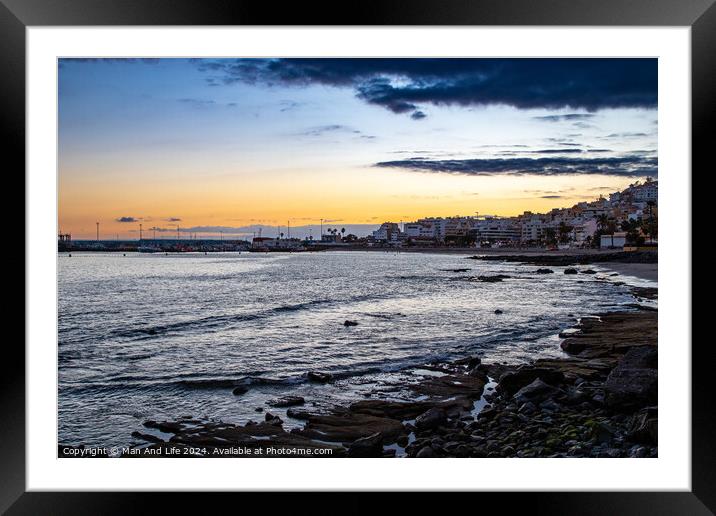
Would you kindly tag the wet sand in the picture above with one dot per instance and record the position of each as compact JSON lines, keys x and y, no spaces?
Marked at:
{"x":644,"y":271}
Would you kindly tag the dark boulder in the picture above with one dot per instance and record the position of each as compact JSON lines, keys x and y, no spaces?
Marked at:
{"x":498,"y":311}
{"x":432,"y":418}
{"x":370,"y":446}
{"x":318,"y":377}
{"x":588,"y":271}
{"x":628,"y":389}
{"x":544,"y":271}
{"x":633,"y":383}
{"x":286,"y":401}
{"x":513,"y":381}
{"x":298,"y":414}
{"x":570,"y":270}
{"x":425,"y":452}
{"x":470,"y":362}
{"x":493,"y":279}
{"x":349,"y":323}
{"x":241,"y":389}
{"x":273,"y":420}
{"x":640,"y":357}
{"x":535,"y":392}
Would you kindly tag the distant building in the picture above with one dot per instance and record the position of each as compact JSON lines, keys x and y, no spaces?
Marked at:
{"x":615,"y":240}
{"x":387,"y":232}
{"x":268,"y":243}
{"x":495,"y":229}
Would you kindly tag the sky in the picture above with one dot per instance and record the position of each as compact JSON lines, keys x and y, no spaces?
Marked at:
{"x":229,"y":146}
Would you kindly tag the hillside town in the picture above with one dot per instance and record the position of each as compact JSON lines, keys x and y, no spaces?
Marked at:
{"x":625,"y":218}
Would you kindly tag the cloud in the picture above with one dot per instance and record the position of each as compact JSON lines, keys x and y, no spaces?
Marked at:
{"x":128,"y":219}
{"x":560,"y":118}
{"x":404,"y":85}
{"x":551,"y":197}
{"x":558,"y":151}
{"x":143,"y":60}
{"x":625,"y":135}
{"x":323,"y":129}
{"x":198,"y":103}
{"x":173,"y":219}
{"x":418,"y":115}
{"x":624,"y":166}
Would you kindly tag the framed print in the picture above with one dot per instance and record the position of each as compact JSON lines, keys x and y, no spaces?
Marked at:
{"x":420,"y":247}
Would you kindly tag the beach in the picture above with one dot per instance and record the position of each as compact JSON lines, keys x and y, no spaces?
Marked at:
{"x":644,"y":271}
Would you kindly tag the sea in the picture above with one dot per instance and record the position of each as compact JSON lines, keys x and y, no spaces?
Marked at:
{"x":167,"y":336}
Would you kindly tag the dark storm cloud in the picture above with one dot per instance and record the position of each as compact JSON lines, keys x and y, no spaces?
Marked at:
{"x":128,"y":219}
{"x":552,"y":166}
{"x":66,"y":60}
{"x":403,"y":85}
{"x":418,"y":115}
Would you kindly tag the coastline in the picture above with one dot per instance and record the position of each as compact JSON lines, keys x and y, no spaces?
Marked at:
{"x":598,"y":400}
{"x":643,"y":271}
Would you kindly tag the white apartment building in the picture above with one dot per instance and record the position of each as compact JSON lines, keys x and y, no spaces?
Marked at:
{"x":387,"y":232}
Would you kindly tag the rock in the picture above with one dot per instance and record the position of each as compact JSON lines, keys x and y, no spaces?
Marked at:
{"x":470,"y":362}
{"x":347,"y":426}
{"x":369,"y":446}
{"x":241,"y":389}
{"x":643,"y":426}
{"x":544,"y":271}
{"x":527,"y":408}
{"x":513,"y":381}
{"x":273,"y":420}
{"x":570,"y":270}
{"x":588,"y":271}
{"x":603,"y":432}
{"x":640,"y":357}
{"x":498,"y":311}
{"x":493,"y":279}
{"x":425,"y":452}
{"x":297,"y":414}
{"x":550,"y":405}
{"x":286,"y":401}
{"x":631,"y":388}
{"x":319,"y":377}
{"x":350,"y":323}
{"x":535,"y":392}
{"x":432,"y":418}
{"x":399,"y":410}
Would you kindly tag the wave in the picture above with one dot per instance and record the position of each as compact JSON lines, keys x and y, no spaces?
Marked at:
{"x":219,"y":322}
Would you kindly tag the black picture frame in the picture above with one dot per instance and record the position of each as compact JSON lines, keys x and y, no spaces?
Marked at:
{"x":700,"y":15}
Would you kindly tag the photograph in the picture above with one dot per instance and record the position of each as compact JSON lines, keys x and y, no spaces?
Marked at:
{"x":386,"y":257}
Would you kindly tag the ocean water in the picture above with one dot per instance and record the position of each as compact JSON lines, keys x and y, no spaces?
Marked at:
{"x":150,"y":336}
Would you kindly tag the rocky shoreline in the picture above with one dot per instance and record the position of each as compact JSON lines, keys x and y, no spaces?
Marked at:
{"x":599,"y":400}
{"x":573,"y":259}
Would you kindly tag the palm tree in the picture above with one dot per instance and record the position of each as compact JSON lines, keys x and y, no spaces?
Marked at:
{"x":602,"y":221}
